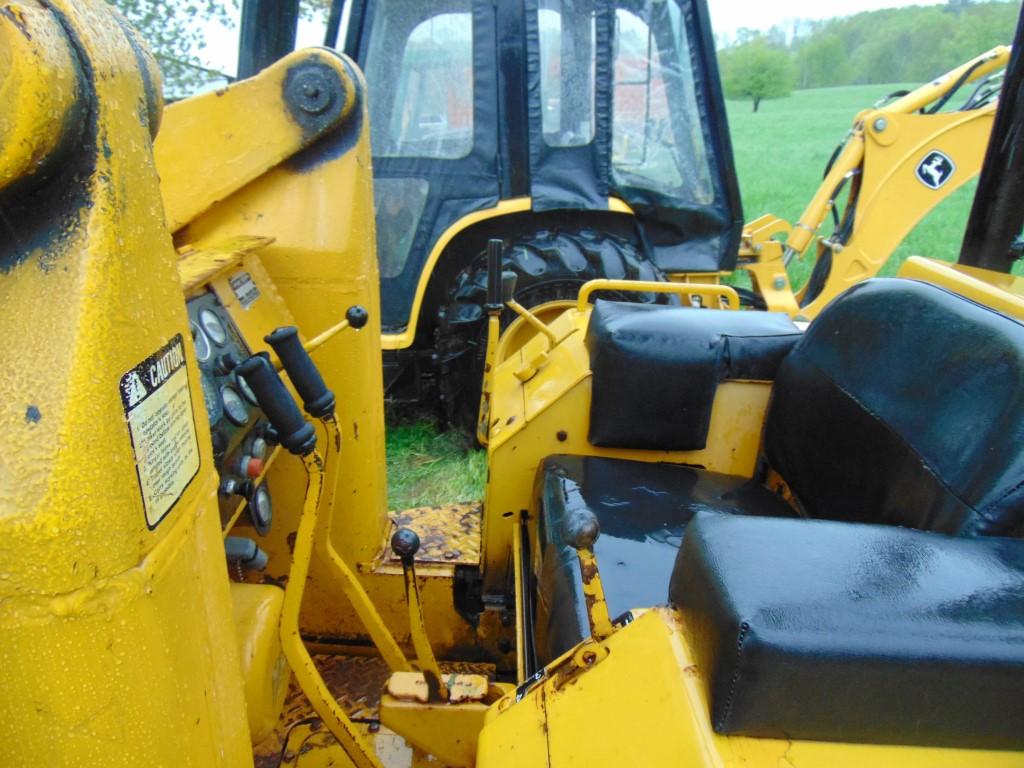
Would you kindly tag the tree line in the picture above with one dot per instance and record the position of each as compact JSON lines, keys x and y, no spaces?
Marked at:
{"x":895,"y":45}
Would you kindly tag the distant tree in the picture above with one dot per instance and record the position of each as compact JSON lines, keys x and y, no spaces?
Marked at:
{"x":822,"y":61}
{"x":757,"y":71}
{"x":911,"y":44}
{"x":174,"y":31}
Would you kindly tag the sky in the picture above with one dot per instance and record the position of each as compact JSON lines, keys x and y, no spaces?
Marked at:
{"x":727,"y":16}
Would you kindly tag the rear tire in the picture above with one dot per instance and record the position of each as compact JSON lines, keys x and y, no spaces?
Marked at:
{"x":550,"y":265}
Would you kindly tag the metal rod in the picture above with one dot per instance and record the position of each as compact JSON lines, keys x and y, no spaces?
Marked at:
{"x":333,"y":23}
{"x":997,"y":214}
{"x":346,"y":577}
{"x":306,"y":673}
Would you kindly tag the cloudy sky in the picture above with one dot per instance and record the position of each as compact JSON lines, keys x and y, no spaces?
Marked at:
{"x":729,"y":15}
{"x":726,"y":16}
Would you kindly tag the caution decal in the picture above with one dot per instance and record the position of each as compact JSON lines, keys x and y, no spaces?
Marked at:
{"x":158,"y":408}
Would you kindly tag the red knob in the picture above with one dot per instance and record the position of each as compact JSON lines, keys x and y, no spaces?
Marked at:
{"x":251,"y":467}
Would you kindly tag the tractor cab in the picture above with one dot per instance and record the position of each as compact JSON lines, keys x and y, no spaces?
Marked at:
{"x":590,"y":135}
{"x":563,"y":103}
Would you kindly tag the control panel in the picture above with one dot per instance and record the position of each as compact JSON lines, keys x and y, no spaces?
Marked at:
{"x":242,"y":438}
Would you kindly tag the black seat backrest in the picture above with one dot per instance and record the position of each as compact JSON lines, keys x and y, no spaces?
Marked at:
{"x":904,"y":404}
{"x":656,"y":369}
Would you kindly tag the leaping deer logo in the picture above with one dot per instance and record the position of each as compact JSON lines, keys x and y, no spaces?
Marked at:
{"x":935,"y":170}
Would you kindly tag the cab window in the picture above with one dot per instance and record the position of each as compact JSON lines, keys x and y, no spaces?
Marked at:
{"x":420,"y":72}
{"x":657,"y":133}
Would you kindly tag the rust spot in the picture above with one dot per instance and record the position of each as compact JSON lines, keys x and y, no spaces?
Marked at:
{"x":589,"y":571}
{"x":691,"y":670}
{"x":220,"y":91}
{"x":510,"y":420}
{"x":291,"y":541}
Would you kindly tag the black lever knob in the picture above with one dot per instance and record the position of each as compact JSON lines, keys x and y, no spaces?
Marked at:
{"x":317,"y":399}
{"x":294,"y":432}
{"x":357,"y":316}
{"x":405,"y":543}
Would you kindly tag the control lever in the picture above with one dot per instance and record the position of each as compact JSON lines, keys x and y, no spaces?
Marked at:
{"x":355,"y":317}
{"x":299,"y":437}
{"x":293,"y":431}
{"x":317,"y":399}
{"x":405,"y":544}
{"x":581,"y":530}
{"x":319,"y":403}
{"x":500,"y":288}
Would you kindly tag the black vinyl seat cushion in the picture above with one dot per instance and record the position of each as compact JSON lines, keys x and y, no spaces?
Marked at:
{"x":810,"y":629}
{"x":655,"y":369}
{"x":642,"y":509}
{"x":904,"y":404}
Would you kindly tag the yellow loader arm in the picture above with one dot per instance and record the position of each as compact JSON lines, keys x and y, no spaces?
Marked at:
{"x":898,"y":162}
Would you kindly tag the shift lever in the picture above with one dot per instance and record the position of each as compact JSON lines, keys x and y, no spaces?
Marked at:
{"x":405,"y":544}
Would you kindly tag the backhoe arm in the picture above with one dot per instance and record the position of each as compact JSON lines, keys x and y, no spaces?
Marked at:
{"x":897,"y":163}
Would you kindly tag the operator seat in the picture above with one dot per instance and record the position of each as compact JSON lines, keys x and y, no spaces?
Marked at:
{"x":903,"y":404}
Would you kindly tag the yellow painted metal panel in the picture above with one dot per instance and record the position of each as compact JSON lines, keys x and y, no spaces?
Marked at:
{"x":645,"y":704}
{"x":115,"y":640}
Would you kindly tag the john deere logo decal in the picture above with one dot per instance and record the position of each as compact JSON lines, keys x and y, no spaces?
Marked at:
{"x":935,"y":170}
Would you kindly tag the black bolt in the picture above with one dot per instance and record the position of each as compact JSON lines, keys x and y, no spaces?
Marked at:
{"x":562,"y":435}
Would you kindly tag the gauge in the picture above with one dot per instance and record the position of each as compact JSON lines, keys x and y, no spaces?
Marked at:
{"x":243,"y":387}
{"x":201,"y":343}
{"x":234,"y":405}
{"x":261,"y":509}
{"x":213,"y":326}
{"x":214,"y":409}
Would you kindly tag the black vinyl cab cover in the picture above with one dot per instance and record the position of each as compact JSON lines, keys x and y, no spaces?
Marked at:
{"x":566,"y":101}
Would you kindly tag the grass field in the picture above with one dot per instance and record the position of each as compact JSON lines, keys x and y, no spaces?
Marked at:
{"x":781,"y":152}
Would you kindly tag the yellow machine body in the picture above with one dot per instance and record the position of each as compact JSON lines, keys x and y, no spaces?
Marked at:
{"x":649,"y":670}
{"x":129,"y":637}
{"x":117,"y":646}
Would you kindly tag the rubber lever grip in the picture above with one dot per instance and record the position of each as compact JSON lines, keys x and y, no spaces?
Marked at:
{"x":494,"y":275}
{"x":295,"y":433}
{"x":317,"y":399}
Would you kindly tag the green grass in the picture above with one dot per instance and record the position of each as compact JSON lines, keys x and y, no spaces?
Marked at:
{"x":781,"y":152}
{"x":427,"y":466}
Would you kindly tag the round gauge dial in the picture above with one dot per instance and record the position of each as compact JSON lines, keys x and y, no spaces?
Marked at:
{"x":246,"y":391}
{"x":261,"y":509}
{"x":234,"y":406}
{"x":201,"y":343}
{"x":213,"y":326}
{"x":214,"y":409}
